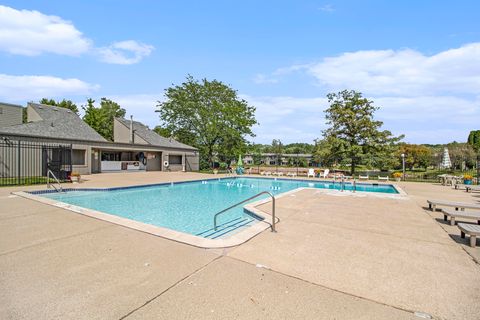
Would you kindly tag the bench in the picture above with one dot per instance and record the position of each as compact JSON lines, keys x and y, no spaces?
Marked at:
{"x":472,"y":230}
{"x":471,"y":188}
{"x":380,"y":178}
{"x":432,"y":205}
{"x":453,"y":214}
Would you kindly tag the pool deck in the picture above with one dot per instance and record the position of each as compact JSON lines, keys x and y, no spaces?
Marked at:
{"x":335,"y":255}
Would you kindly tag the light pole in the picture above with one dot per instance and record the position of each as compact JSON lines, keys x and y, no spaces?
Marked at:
{"x":297,"y":163}
{"x":403,"y":166}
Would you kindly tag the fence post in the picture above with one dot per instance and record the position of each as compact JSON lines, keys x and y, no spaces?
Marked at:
{"x":478,"y":169}
{"x":18,"y":163}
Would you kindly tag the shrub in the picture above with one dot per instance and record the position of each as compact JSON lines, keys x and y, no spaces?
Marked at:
{"x":397,"y":174}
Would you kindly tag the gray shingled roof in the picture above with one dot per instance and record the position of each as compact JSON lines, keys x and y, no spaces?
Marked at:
{"x":152,"y":137}
{"x":57,"y":122}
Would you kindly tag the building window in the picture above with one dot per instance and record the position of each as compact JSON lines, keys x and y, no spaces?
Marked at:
{"x":172,"y":159}
{"x":111,"y":156}
{"x":78,"y":157}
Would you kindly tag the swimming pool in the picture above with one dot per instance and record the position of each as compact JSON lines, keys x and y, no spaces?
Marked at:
{"x":190,"y":207}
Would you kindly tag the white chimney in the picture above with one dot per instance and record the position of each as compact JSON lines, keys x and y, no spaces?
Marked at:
{"x":131,"y":129}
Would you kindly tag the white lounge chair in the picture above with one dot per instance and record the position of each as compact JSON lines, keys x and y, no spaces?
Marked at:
{"x":432,"y":205}
{"x":291,"y":174}
{"x":465,"y":214}
{"x":267,"y":173}
{"x":325,"y":173}
{"x":360,"y":177}
{"x":380,"y":178}
{"x":311,"y":173}
{"x":472,"y":230}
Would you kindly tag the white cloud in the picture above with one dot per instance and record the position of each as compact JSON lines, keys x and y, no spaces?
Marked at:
{"x":425,"y":119}
{"x":404,"y":72}
{"x":26,"y":88}
{"x":141,"y":106}
{"x":327,"y":8}
{"x":437,"y":94}
{"x":31,"y":33}
{"x":288,"y":118}
{"x":260,"y":78}
{"x":125,"y":52}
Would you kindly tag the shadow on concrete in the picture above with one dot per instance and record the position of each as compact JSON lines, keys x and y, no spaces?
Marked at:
{"x":441,"y":221}
{"x":458,"y":239}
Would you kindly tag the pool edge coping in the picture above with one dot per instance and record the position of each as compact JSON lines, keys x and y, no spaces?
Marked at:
{"x":233,"y":240}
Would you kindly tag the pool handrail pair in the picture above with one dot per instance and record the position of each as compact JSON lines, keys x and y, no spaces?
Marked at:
{"x":50,"y":173}
{"x":243,"y":201}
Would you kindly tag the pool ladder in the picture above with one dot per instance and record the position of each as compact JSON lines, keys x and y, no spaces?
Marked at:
{"x":342,"y":184}
{"x":248,"y":199}
{"x":50,"y":173}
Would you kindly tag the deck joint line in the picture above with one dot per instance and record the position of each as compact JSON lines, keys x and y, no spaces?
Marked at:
{"x":328,"y":288}
{"x":171,"y":287}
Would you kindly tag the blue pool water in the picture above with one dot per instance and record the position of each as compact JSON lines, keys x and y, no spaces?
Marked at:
{"x":190,"y":206}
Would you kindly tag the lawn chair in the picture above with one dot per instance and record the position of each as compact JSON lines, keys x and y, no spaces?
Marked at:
{"x":311,"y":173}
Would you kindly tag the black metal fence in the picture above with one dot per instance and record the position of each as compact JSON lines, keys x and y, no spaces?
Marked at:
{"x":27,"y":162}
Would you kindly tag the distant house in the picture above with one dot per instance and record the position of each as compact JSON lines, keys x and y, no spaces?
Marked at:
{"x":135,"y":147}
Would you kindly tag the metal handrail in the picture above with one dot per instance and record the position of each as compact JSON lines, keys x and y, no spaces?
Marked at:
{"x":253,"y":197}
{"x":50,"y":172}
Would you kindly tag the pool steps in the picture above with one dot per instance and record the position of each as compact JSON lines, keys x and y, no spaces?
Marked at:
{"x":226,"y":227}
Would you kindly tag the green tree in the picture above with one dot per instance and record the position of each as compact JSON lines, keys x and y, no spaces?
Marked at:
{"x":328,"y":151}
{"x":461,"y":155}
{"x":164,"y":132}
{"x":101,"y":118}
{"x":68,"y":104}
{"x":278,"y":150}
{"x":208,"y":115}
{"x":474,"y":140}
{"x":294,"y":148}
{"x":415,"y":155}
{"x":354,"y":130}
{"x":256,"y":151}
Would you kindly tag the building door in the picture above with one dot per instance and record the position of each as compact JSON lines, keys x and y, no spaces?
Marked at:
{"x":95,"y":161}
{"x":154,"y":161}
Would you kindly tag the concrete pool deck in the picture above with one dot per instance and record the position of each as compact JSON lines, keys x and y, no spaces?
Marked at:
{"x":335,"y":255}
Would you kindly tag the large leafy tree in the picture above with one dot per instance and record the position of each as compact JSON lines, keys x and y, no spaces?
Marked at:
{"x":68,"y":104}
{"x":208,"y":115}
{"x":101,"y":118}
{"x":354,"y":136}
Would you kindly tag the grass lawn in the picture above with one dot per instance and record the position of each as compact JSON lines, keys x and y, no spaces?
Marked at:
{"x":24,"y":181}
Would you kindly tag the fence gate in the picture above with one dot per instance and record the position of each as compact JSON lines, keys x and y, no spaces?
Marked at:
{"x":26,"y":162}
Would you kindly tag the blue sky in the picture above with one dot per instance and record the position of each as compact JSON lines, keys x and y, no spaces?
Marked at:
{"x":418,"y":60}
